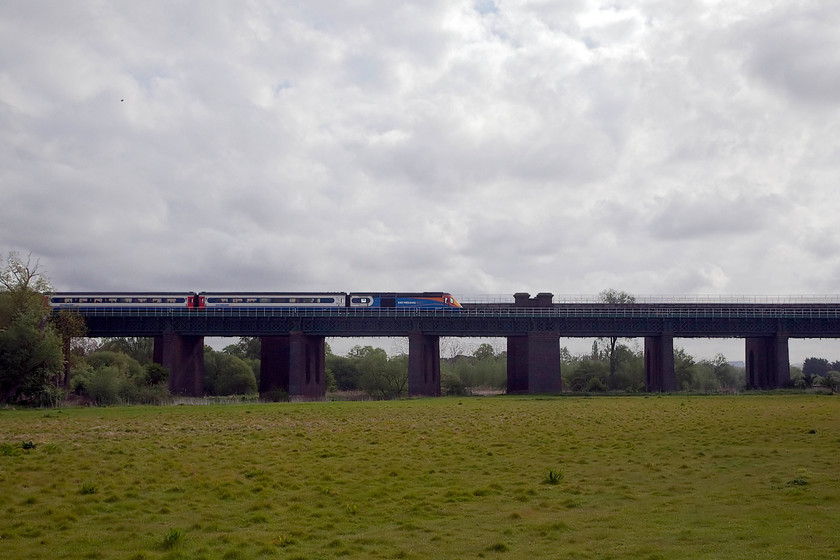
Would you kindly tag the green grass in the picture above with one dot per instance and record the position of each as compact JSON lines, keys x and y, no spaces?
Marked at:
{"x":611,"y":477}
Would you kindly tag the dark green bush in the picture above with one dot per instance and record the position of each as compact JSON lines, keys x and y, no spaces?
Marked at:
{"x":452,"y":385}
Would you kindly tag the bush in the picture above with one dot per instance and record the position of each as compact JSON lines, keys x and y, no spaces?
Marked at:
{"x":225,"y":374}
{"x":832,"y":381}
{"x":595,"y":385}
{"x":452,"y":385}
{"x":114,"y":378}
{"x":103,"y":385}
{"x":156,"y":374}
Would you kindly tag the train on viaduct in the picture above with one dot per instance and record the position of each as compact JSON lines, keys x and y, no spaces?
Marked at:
{"x":293,"y":328}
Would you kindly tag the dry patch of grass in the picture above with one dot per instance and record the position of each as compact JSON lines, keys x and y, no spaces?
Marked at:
{"x":658,"y":477}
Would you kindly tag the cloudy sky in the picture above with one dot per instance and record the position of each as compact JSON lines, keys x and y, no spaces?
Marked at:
{"x":476,"y":146}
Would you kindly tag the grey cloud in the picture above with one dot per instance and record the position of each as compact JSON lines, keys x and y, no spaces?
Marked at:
{"x":795,"y":49}
{"x":710,"y":215}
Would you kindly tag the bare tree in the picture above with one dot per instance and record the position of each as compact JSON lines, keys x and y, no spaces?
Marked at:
{"x":18,"y":275}
{"x":612,"y":296}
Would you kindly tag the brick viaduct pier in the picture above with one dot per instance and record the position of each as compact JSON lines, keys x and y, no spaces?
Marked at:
{"x":293,"y":341}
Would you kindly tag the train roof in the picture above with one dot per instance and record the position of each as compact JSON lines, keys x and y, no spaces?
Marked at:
{"x":112,"y":294}
{"x":251,"y":294}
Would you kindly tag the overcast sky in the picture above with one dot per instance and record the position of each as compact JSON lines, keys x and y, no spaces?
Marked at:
{"x":476,"y":147}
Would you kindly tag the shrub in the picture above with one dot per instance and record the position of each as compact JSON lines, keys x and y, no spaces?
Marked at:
{"x":225,"y":374}
{"x":154,"y":394}
{"x":103,"y":385}
{"x":832,"y":381}
{"x":452,"y":385}
{"x":595,"y":385}
{"x":156,"y":374}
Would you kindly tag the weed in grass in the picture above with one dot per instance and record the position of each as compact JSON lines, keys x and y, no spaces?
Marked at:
{"x":553,"y":477}
{"x":172,"y":539}
{"x":88,"y":488}
{"x":27,"y":445}
{"x":283,"y":541}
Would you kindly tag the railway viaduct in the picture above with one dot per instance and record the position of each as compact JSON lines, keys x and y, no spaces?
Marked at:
{"x":293,"y":341}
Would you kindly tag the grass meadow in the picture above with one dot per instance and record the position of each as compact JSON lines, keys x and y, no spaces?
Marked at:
{"x":672,"y":477}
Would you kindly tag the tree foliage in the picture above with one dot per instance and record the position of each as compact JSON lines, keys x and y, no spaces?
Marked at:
{"x":381,"y":377}
{"x":247,"y":348}
{"x":225,"y":374}
{"x":110,"y":377}
{"x":140,"y":348}
{"x":815,"y":367}
{"x":31,"y":359}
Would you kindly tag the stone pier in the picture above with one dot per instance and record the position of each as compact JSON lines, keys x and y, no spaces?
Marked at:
{"x":183,"y":356}
{"x":423,"y":365}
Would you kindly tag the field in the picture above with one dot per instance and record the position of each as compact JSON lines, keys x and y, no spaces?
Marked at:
{"x":754,"y":476}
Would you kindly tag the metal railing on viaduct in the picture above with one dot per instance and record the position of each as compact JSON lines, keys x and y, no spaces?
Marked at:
{"x":293,"y":339}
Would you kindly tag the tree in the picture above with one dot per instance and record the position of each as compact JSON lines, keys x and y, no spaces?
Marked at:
{"x":484,"y":352}
{"x":614,"y":297}
{"x":724,"y":373}
{"x":381,"y":377}
{"x":248,"y":348}
{"x":31,"y":360}
{"x":344,"y":372}
{"x":69,"y":325}
{"x":684,"y":370}
{"x":815,"y":367}
{"x":140,"y":348}
{"x":23,"y":281}
{"x":832,"y":380}
{"x":227,"y":375}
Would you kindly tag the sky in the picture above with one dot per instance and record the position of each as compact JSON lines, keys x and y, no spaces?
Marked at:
{"x":475,"y":147}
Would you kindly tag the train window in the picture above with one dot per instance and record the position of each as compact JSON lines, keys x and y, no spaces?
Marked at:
{"x":326,"y":300}
{"x":360,"y":300}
